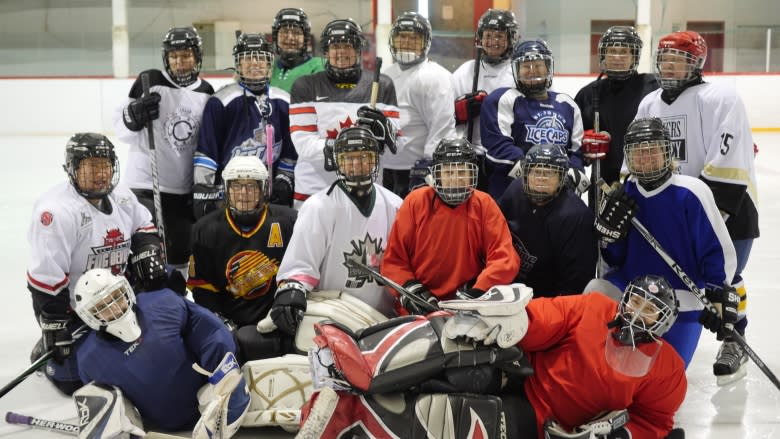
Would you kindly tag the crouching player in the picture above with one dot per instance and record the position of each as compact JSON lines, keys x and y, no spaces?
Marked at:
{"x":590,"y":355}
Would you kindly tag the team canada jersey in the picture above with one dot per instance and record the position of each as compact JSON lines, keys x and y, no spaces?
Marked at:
{"x":234,"y":124}
{"x":319,"y":109}
{"x":175,"y":134}
{"x":331,"y":230}
{"x":711,"y":139}
{"x":69,"y":236}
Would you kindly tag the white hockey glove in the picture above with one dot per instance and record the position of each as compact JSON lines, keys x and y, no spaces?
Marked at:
{"x":104,"y":413}
{"x":599,"y":428}
{"x":517,"y":170}
{"x":223,"y":402}
{"x":498,"y":316}
{"x":577,"y":181}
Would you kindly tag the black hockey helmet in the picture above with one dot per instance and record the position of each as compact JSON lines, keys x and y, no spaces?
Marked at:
{"x":291,"y":17}
{"x":548,"y":157}
{"x":619,"y":36}
{"x":647,"y":310}
{"x":343,"y":31}
{"x":351,"y":140}
{"x":85,"y":145}
{"x":256,"y":49}
{"x":500,"y":20}
{"x":642,"y":136}
{"x":411,"y":22}
{"x":454,"y":170}
{"x":532,"y":50}
{"x":181,"y":38}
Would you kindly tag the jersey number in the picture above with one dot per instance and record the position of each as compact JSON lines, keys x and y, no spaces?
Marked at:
{"x":725,"y":138}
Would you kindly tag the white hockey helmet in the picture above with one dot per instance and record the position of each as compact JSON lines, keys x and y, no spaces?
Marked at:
{"x":242,"y":206}
{"x":105,"y":301}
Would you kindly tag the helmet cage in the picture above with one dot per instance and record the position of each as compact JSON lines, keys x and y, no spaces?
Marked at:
{"x":464,"y":176}
{"x":348,"y":142}
{"x":343,"y":31}
{"x":255,"y":51}
{"x":245,"y":168}
{"x":85,"y":145}
{"x":182,"y":38}
{"x":500,"y":20}
{"x":543,"y":181}
{"x":534,"y":85}
{"x":286,"y":18}
{"x":619,"y":36}
{"x":105,"y":302}
{"x":411,"y":22}
{"x":639,"y":150}
{"x":647,"y":310}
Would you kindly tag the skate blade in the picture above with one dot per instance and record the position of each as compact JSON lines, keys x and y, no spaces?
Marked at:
{"x":725,"y":380}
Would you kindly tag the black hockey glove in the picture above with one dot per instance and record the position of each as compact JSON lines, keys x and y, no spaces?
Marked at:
{"x":330,"y":160}
{"x":139,"y":112}
{"x":283,"y":189}
{"x":288,"y":308}
{"x":205,"y":198}
{"x":721,"y":318}
{"x":380,"y":127}
{"x":56,"y":335}
{"x":146,"y":270}
{"x":615,"y":212}
{"x":469,"y":106}
{"x":419,"y":173}
{"x":419,"y":290}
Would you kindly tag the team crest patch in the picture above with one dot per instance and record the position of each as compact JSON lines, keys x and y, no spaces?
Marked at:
{"x":250,"y":273}
{"x":368,"y":251}
{"x":47,"y":218}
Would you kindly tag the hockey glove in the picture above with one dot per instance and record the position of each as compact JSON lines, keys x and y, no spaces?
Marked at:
{"x":223,"y":402}
{"x":721,"y":317}
{"x":595,"y":146}
{"x":56,"y":335}
{"x":418,"y":175}
{"x":608,"y":425}
{"x":577,"y":181}
{"x":205,"y":199}
{"x":142,"y":110}
{"x":380,"y":127}
{"x":615,"y":212}
{"x":419,"y":290}
{"x":146,"y":270}
{"x":469,"y":106}
{"x":288,"y":307}
{"x":330,"y":159}
{"x":283,"y":188}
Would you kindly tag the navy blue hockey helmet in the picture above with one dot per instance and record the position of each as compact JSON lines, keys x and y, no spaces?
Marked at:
{"x":182,"y":38}
{"x":549,"y":165}
{"x":533,"y":67}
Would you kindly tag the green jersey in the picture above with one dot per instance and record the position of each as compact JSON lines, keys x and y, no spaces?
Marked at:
{"x":284,"y":78}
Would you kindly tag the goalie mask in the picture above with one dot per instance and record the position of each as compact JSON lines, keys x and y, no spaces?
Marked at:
{"x":291,"y":33}
{"x":253,"y":61}
{"x":619,"y":50}
{"x":454,"y":170}
{"x":544,"y":172}
{"x":410,"y":39}
{"x":246,"y":186}
{"x":182,"y":55}
{"x":532,"y":67}
{"x":356,"y":153}
{"x":342,"y":45}
{"x":91,"y":164}
{"x":648,"y":152}
{"x":680,"y":59}
{"x":496,"y":34}
{"x":105,"y":303}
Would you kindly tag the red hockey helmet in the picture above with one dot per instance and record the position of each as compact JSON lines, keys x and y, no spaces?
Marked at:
{"x":687,"y":46}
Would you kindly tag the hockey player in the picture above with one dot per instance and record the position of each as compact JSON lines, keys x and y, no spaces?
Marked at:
{"x":236,"y":253}
{"x":514,"y":119}
{"x":712,"y":141}
{"x":615,"y":98}
{"x":589,"y":353}
{"x":291,"y":33}
{"x":451,"y":218}
{"x":132,"y":336}
{"x":552,"y":228}
{"x":237,"y":121}
{"x":351,"y":220}
{"x":85,"y":223}
{"x":681,"y":213}
{"x":323,"y":103}
{"x":425,"y":98}
{"x":177,"y":99}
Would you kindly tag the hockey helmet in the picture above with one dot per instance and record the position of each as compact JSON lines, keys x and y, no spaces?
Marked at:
{"x":680,"y":59}
{"x":549,"y":165}
{"x":611,"y":61}
{"x":418,"y":25}
{"x":182,"y":38}
{"x":497,"y":20}
{"x":253,"y":61}
{"x":529,"y":58}
{"x":86,"y":181}
{"x":349,"y":32}
{"x":105,"y":302}
{"x":245,"y":199}
{"x":454,"y":170}
{"x":294,"y":20}
{"x":356,"y":153}
{"x":648,"y":151}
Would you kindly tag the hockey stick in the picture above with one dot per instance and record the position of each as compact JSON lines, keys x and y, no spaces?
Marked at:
{"x":81,"y":330}
{"x":419,"y":301}
{"x":595,"y":176}
{"x":375,"y":84}
{"x":695,"y":290}
{"x":155,"y":177}
{"x":474,"y":84}
{"x":65,"y":428}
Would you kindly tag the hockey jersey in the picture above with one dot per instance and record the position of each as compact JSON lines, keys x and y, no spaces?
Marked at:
{"x":284,"y":78}
{"x":175,"y":134}
{"x":331,"y":230}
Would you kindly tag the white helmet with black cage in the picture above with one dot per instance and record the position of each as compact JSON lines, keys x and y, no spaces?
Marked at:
{"x":246,"y":188}
{"x":105,"y":302}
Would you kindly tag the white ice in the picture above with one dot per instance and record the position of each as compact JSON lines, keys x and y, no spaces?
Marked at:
{"x":749,"y":408}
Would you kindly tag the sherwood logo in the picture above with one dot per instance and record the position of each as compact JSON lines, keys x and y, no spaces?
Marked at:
{"x":59,"y":426}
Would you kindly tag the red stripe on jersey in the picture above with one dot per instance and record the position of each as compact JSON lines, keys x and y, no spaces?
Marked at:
{"x":392,"y":114}
{"x":42,"y":286}
{"x":302,"y":110}
{"x":309,"y":128}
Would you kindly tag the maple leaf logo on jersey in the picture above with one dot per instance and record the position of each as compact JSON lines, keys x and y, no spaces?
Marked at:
{"x":367,"y":251}
{"x":112,"y":254}
{"x":332,"y":134}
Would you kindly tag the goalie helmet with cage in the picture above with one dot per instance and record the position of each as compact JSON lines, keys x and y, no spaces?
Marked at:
{"x":356,"y":153}
{"x":183,"y":38}
{"x":544,"y":172}
{"x":246,"y":188}
{"x":348,"y":32}
{"x":615,"y":45}
{"x":105,"y":302}
{"x":410,"y":38}
{"x":647,"y":310}
{"x":532,"y":67}
{"x":454,"y":170}
{"x":648,"y":151}
{"x":497,"y":20}
{"x":680,"y":59}
{"x":294,"y":21}
{"x":253,"y":61}
{"x":91,"y":164}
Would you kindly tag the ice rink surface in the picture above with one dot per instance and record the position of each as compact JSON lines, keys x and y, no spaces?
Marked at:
{"x":748,"y":409}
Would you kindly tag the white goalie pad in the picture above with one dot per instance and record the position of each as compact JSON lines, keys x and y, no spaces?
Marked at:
{"x":105,"y":413}
{"x":278,"y":388}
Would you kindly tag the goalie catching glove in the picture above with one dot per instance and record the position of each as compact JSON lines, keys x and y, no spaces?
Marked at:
{"x":223,"y":402}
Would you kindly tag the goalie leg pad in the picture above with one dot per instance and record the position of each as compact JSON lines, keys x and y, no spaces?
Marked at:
{"x":456,"y":416}
{"x":105,"y":413}
{"x":278,"y":388}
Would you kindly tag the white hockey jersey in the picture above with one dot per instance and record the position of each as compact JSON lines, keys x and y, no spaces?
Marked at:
{"x":330,"y":230}
{"x":426,"y":100}
{"x":175,"y":134}
{"x":69,"y":236}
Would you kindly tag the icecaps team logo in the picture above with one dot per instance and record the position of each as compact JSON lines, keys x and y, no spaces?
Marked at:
{"x":255,"y":146}
{"x":112,"y":254}
{"x":549,"y":129}
{"x":181,"y":130}
{"x":368,"y":251}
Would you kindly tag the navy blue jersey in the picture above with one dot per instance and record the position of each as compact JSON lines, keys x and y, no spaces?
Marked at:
{"x":559,"y":234}
{"x":155,"y":372}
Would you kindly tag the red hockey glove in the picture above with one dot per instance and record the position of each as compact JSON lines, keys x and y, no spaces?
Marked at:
{"x":468,"y":106}
{"x":595,"y":146}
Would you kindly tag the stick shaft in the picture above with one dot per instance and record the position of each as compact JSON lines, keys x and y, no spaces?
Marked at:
{"x":43,"y":424}
{"x":474,"y":85}
{"x":156,"y":198}
{"x":390,"y":283}
{"x":375,"y":84}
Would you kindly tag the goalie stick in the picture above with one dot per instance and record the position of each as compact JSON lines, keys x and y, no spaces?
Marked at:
{"x":694,"y":289}
{"x":64,"y":427}
{"x":156,"y":197}
{"x":390,"y":283}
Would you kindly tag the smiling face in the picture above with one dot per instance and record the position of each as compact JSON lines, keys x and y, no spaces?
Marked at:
{"x":494,"y":42}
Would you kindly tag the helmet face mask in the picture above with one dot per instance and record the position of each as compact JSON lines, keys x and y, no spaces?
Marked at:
{"x":356,"y":153}
{"x":253,"y":61}
{"x":454,"y":171}
{"x":544,"y":172}
{"x":91,"y":164}
{"x":342,"y":44}
{"x":680,"y":59}
{"x":647,"y":310}
{"x":619,"y":50}
{"x":533,"y":67}
{"x":496,"y":35}
{"x":105,"y":303}
{"x":648,"y":151}
{"x":246,"y":186}
{"x":182,"y":53}
{"x":410,"y":38}
{"x":291,"y":33}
